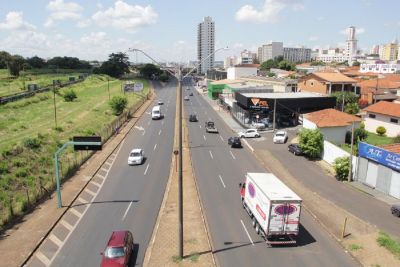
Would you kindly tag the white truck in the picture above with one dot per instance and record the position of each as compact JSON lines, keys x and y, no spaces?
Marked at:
{"x":273,"y":207}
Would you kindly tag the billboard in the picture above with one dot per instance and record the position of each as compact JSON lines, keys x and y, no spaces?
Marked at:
{"x":379,"y":155}
{"x":133,"y":87}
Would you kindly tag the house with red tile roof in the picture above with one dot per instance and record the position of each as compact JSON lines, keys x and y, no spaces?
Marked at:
{"x":386,"y":114}
{"x":378,"y":89}
{"x":327,"y":82}
{"x":332,"y":123}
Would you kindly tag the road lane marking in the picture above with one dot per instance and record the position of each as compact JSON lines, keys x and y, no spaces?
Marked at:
{"x":221,"y":138}
{"x":143,"y":132}
{"x":104,"y":169}
{"x":145,"y":171}
{"x":159,"y":133}
{"x":200,"y":126}
{"x":233,"y":156}
{"x":251,"y":240}
{"x":251,"y":148}
{"x":46,"y":261}
{"x":222,"y":181}
{"x":204,"y":137}
{"x":211,"y":155}
{"x":55,"y":240}
{"x":67,"y":225}
{"x":155,"y":146}
{"x":75,"y":212}
{"x":96,"y":183}
{"x":87,"y":190}
{"x":126,"y":211}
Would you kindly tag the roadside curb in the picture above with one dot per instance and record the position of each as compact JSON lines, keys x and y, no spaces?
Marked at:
{"x":67,"y":206}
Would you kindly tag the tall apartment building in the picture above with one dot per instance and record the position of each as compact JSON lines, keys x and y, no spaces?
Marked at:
{"x":247,"y":57}
{"x":351,"y":44}
{"x":297,"y":55}
{"x":205,"y":44}
{"x":230,"y":62}
{"x":390,"y":51}
{"x":270,"y":51}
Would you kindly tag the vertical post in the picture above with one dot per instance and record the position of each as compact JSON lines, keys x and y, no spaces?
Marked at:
{"x":344,"y":227}
{"x":342,"y":97}
{"x":59,"y":203}
{"x":351,"y":153}
{"x":108,"y":88}
{"x":274,"y":115}
{"x":180,"y":185}
{"x":54,"y":102}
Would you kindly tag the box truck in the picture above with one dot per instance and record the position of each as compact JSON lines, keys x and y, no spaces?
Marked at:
{"x":273,"y":207}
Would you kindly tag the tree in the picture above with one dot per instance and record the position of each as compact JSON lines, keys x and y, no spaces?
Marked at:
{"x":36,"y":62}
{"x":68,"y":63}
{"x":317,"y":63}
{"x":164,"y":77}
{"x":311,"y":142}
{"x":4,"y":59}
{"x":118,"y":104}
{"x":70,"y":96}
{"x":271,"y":74}
{"x":285,"y":65}
{"x":148,"y":70}
{"x":116,"y":65}
{"x":360,"y":134}
{"x":380,"y":130}
{"x":342,"y":167}
{"x":15,"y":65}
{"x":356,"y":64}
{"x":349,"y":97}
{"x":351,"y":108}
{"x":267,"y":65}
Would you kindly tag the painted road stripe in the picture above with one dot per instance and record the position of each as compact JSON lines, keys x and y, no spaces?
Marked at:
{"x":100,"y":176}
{"x":155,"y":146}
{"x":55,"y":240}
{"x":83,"y":201}
{"x":75,"y":212}
{"x":145,"y":171}
{"x":104,"y":169}
{"x":143,"y":132}
{"x":126,"y":211}
{"x":233,"y":156}
{"x":67,"y":225}
{"x":247,"y":143}
{"x":96,"y":183}
{"x":244,"y":227}
{"x":87,"y":190}
{"x":204,"y":137}
{"x":43,"y":258}
{"x":211,"y":155}
{"x":159,"y":133}
{"x":221,"y":138}
{"x":200,"y":126}
{"x":222,"y":181}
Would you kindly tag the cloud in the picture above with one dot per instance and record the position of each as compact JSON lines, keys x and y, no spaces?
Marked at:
{"x":61,"y":10}
{"x":126,"y":17}
{"x":15,"y":21}
{"x":313,"y":38}
{"x":83,"y":23}
{"x":269,"y":12}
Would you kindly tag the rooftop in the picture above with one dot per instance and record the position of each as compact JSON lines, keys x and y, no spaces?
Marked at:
{"x":334,"y":77}
{"x":395,"y":148}
{"x":331,"y":118}
{"x":247,"y":66}
{"x":227,"y":81}
{"x":283,"y":95}
{"x":385,"y":108}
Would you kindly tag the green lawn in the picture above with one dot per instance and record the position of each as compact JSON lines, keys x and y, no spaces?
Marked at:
{"x":28,"y":137}
{"x":372,"y":139}
{"x":42,"y":78}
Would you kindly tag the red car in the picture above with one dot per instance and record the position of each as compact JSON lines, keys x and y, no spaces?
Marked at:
{"x":119,"y":250}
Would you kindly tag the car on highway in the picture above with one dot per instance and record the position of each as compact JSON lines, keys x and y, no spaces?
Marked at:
{"x":119,"y":249}
{"x":136,"y":157}
{"x":191,"y":94}
{"x":280,"y":137}
{"x":249,"y":133}
{"x":234,"y":141}
{"x":187,"y":88}
{"x":295,"y":149}
{"x":160,"y":102}
{"x":395,"y":209}
{"x":192,"y":118}
{"x":258,"y":125}
{"x":186,"y":98}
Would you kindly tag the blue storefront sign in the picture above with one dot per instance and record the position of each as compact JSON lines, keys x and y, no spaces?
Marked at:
{"x":379,"y":155}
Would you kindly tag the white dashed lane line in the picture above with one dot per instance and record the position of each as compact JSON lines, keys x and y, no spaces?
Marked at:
{"x":221,"y":138}
{"x":204,"y":137}
{"x":145,"y":171}
{"x":126,"y":211}
{"x":222,"y":181}
{"x":159,"y":133}
{"x":211,"y":155}
{"x":244,"y":227}
{"x":233,"y":156}
{"x":155,"y":146}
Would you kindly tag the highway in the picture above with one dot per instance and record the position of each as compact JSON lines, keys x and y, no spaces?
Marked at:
{"x":218,"y":170}
{"x":131,"y":196}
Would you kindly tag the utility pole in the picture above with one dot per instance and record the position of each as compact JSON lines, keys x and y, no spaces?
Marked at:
{"x":351,"y":153}
{"x":54,"y":101}
{"x":180,"y":182}
{"x":274,"y":122}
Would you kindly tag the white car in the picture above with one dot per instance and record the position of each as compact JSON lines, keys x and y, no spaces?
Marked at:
{"x":280,"y":137}
{"x":160,"y":102}
{"x":136,"y":157}
{"x":249,"y":133}
{"x":258,"y":125}
{"x":186,"y":98}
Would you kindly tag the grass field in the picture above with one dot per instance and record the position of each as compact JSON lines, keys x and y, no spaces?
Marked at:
{"x":40,"y":77}
{"x":29,"y":138}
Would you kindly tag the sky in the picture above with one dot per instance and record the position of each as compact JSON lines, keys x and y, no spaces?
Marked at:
{"x":167,"y":29}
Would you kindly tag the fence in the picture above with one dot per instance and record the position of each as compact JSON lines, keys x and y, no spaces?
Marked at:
{"x":37,"y":190}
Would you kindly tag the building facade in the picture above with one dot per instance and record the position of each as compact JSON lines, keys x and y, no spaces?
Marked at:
{"x":205,"y":44}
{"x":230,"y":62}
{"x":351,"y":44}
{"x":270,"y":51}
{"x":390,"y":51}
{"x":380,"y":68}
{"x":297,"y":55}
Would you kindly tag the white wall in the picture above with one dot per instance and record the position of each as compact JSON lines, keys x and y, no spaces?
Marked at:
{"x":309,"y":124}
{"x":237,"y":72}
{"x":392,"y":129}
{"x":331,"y":152}
{"x":333,"y":134}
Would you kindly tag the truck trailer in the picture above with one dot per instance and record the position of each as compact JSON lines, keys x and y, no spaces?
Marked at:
{"x":273,"y":207}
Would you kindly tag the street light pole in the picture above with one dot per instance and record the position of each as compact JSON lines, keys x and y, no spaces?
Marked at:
{"x":180,"y":179}
{"x":54,"y":102}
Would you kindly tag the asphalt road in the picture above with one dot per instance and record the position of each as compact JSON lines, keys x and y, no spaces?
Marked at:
{"x":308,"y":172}
{"x":218,"y":170}
{"x":131,"y":196}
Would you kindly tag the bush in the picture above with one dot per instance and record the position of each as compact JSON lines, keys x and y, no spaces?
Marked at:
{"x":70,"y":96}
{"x":311,"y":142}
{"x":32,"y":143}
{"x":341,"y":166}
{"x":380,"y":130}
{"x":360,"y":134}
{"x":397,"y":139}
{"x":3,"y":167}
{"x":118,"y":104}
{"x":362,"y":125}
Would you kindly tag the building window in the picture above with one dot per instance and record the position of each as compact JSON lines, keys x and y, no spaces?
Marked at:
{"x":372,"y":116}
{"x":394,"y":120}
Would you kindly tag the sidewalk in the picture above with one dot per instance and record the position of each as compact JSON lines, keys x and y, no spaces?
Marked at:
{"x":17,"y":243}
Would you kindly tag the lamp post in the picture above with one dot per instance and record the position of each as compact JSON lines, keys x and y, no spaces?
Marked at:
{"x":180,"y":79}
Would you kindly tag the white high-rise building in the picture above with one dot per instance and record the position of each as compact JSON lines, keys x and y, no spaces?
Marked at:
{"x":351,"y":44}
{"x":205,"y":44}
{"x":270,"y":51}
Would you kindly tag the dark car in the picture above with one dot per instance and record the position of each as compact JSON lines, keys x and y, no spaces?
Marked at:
{"x":191,"y":94}
{"x":295,"y":149}
{"x":192,"y":118}
{"x":395,"y":209}
{"x":234,"y":142}
{"x":119,"y":249}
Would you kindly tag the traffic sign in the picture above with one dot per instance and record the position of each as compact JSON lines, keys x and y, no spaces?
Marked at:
{"x":87,"y":143}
